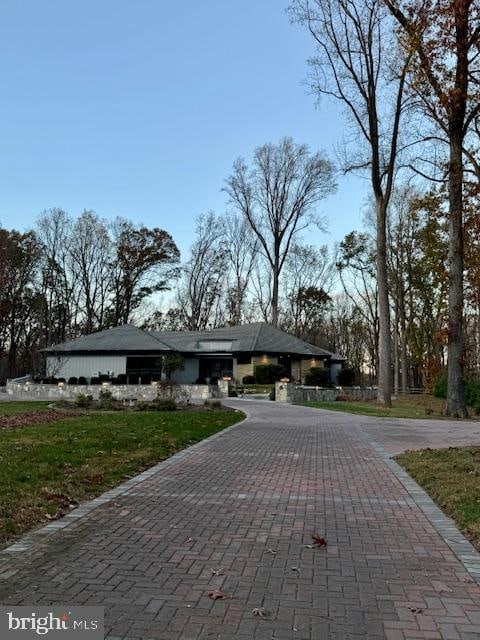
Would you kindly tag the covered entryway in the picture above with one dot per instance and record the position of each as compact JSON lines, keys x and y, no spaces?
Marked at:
{"x":213,"y":368}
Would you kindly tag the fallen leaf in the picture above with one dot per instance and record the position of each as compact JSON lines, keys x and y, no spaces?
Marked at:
{"x":216,"y":594}
{"x":188,"y":540}
{"x":295,"y":569}
{"x":415,"y":609}
{"x":441,"y":587}
{"x":318,"y":541}
{"x":272,"y":551}
{"x":217,"y":572}
{"x":260,"y":612}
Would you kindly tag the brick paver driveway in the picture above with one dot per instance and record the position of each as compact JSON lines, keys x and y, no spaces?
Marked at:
{"x":244,"y":504}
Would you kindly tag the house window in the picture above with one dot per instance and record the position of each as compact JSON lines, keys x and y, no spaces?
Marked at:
{"x":244,"y":358}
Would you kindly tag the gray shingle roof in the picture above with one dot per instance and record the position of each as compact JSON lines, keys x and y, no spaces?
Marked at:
{"x":256,"y":338}
{"x":123,"y":338}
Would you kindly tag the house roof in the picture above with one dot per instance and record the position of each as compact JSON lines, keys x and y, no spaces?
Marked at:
{"x":123,"y":338}
{"x":255,"y":338}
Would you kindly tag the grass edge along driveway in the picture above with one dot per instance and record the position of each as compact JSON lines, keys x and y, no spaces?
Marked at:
{"x":404,"y":406}
{"x":46,"y":469}
{"x":451,"y":477}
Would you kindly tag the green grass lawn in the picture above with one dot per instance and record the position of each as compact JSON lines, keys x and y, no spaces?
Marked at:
{"x":452,"y":478}
{"x":83,"y":456}
{"x":11,"y":408}
{"x":405,"y":406}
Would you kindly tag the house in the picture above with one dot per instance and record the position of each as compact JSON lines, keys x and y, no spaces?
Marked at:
{"x":226,"y":352}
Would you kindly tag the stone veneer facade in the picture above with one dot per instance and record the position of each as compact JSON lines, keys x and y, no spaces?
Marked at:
{"x":120,"y":392}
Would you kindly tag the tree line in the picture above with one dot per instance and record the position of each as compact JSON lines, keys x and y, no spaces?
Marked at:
{"x":398,"y":298}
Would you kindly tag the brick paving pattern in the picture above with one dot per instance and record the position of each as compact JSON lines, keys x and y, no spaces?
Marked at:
{"x":396,"y":436}
{"x":245,"y":503}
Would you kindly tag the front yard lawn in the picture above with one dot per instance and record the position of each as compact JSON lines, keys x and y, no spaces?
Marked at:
{"x":47,"y":467}
{"x":452,"y":478}
{"x":405,"y":406}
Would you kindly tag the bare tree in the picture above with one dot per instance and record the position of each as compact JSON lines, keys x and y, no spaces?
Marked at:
{"x":58,"y":283}
{"x":91,"y":257}
{"x":241,"y":248}
{"x":204,"y":276}
{"x":353,"y":66}
{"x":277,"y":198}
{"x":356,"y":268}
{"x":309,"y":277}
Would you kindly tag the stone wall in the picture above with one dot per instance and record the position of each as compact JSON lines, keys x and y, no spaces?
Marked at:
{"x":32,"y":391}
{"x":297,"y":394}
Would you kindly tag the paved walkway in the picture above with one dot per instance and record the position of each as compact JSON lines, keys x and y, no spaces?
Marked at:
{"x":244,"y":504}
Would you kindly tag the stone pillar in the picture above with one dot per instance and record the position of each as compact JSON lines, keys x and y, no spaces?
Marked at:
{"x":223,"y":388}
{"x":282,"y":392}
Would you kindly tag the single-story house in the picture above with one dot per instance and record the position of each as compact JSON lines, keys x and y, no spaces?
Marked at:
{"x":216,"y":353}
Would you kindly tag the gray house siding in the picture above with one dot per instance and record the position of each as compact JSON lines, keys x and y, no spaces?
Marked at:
{"x":190,"y":374}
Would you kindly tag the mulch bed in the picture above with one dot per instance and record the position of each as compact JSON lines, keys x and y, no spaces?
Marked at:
{"x":30,"y":418}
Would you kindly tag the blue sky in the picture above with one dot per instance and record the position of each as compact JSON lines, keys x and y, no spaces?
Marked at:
{"x":139,"y":108}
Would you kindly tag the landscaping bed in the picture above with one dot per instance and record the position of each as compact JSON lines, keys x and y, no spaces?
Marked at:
{"x":10,"y":407}
{"x":47,"y":469}
{"x":452,"y":478}
{"x":28,"y":418}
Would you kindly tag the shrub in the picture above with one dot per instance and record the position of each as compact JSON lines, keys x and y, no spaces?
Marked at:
{"x":104,"y":378}
{"x":156,"y":405}
{"x":144,"y":405}
{"x":61,"y":380}
{"x":271,"y":395}
{"x":267,"y":373}
{"x":346,"y":377}
{"x":440,"y":387}
{"x":248,"y":380}
{"x":73,"y":380}
{"x":200,"y":381}
{"x":82,"y":380}
{"x":212,"y":404}
{"x":232,"y":393}
{"x":120,"y":379}
{"x":165,"y":405}
{"x":318,"y":377}
{"x":94,"y":380}
{"x":83,"y":401}
{"x":472,"y":393}
{"x":105,"y":394}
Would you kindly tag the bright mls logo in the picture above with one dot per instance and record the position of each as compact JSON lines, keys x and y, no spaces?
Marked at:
{"x":25,"y":623}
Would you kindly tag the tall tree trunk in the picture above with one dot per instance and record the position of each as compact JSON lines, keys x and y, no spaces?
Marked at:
{"x":456,"y":389}
{"x":275,"y":286}
{"x":396,"y":361}
{"x":403,"y":339}
{"x":384,"y":346}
